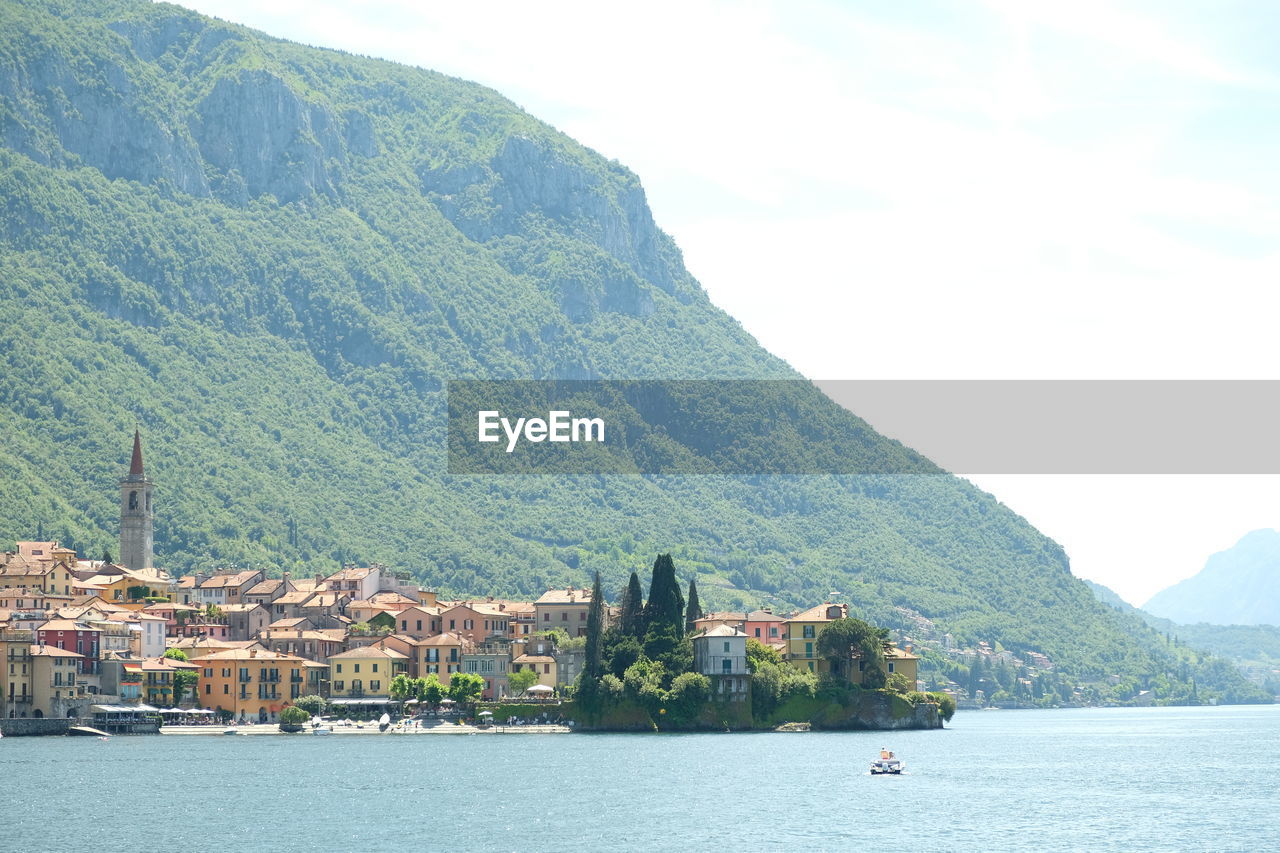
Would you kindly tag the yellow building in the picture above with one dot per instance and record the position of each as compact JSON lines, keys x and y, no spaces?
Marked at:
{"x":38,"y":565}
{"x":365,"y":672}
{"x":801,"y":646}
{"x":802,"y":630}
{"x":127,"y":587}
{"x":252,"y":683}
{"x":544,"y":665}
{"x":54,"y":691}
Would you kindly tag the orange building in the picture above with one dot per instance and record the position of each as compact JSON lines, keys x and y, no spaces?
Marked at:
{"x":252,"y":683}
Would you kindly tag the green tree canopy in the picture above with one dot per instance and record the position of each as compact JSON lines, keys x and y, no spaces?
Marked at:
{"x":521,"y":680}
{"x":433,"y":691}
{"x":844,"y":640}
{"x":294,"y":716}
{"x":401,"y":688}
{"x":176,"y":654}
{"x":465,"y":688}
{"x":758,"y":653}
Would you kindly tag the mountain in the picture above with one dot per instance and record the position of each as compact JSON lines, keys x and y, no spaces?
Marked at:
{"x":1109,"y":597}
{"x":1254,"y":649}
{"x":272,"y":257}
{"x":1238,"y":586}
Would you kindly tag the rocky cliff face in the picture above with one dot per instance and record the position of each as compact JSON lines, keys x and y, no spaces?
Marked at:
{"x":65,"y":110}
{"x":261,"y":137}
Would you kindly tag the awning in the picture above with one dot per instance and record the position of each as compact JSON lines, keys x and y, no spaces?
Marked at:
{"x":359,"y":701}
{"x":122,"y":709}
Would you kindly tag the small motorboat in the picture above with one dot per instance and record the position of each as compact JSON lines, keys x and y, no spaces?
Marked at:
{"x":230,"y":732}
{"x":887,"y":764}
{"x":322,"y":730}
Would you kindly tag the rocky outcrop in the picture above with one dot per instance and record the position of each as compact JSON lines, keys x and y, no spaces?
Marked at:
{"x":264,"y":138}
{"x":607,"y":253}
{"x":878,"y":710}
{"x":58,"y":114}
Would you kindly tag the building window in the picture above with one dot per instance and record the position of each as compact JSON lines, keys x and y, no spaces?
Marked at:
{"x":564,"y":617}
{"x":726,"y":665}
{"x":546,"y":617}
{"x":773,"y":630}
{"x":809,"y":632}
{"x":891,"y":667}
{"x":357,"y":667}
{"x":726,"y":646}
{"x":757,"y":632}
{"x":808,"y":650}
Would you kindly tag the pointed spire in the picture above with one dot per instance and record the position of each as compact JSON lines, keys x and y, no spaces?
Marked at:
{"x":135,"y":465}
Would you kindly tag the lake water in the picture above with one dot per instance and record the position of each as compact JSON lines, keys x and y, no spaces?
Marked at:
{"x":1101,"y":779}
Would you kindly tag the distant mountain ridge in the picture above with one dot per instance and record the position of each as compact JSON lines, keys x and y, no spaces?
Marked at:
{"x":274,"y":256}
{"x":1238,"y":586}
{"x":1255,"y":649}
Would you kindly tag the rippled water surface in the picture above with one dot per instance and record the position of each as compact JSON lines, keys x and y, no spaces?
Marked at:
{"x":1105,"y":779}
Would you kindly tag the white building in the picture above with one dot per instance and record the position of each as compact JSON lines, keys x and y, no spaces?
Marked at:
{"x":720,"y":653}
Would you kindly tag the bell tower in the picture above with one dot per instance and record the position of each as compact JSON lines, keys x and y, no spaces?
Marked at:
{"x":136,"y":516}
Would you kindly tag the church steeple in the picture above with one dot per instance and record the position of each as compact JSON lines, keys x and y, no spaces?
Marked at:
{"x":135,"y":465}
{"x":136,"y":517}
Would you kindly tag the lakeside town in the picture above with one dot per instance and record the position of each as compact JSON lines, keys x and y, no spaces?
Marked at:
{"x":124,"y":646}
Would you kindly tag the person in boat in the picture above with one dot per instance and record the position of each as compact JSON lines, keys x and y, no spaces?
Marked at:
{"x":885,"y":753}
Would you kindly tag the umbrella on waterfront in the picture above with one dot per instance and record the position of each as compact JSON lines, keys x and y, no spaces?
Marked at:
{"x":539,"y":688}
{"x":446,"y":701}
{"x":486,"y":713}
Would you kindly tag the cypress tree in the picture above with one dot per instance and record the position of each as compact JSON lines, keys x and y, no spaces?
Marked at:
{"x":592,"y":669}
{"x":631,"y":610}
{"x":693,"y":611}
{"x":665,"y":607}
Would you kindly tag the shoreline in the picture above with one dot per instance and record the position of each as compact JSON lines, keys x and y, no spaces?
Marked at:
{"x":262,"y":729}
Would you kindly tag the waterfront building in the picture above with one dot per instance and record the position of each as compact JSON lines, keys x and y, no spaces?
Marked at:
{"x":543,"y":664}
{"x":801,"y":636}
{"x":442,"y":655}
{"x":720,"y":653}
{"x":365,"y":672}
{"x":251,"y":683}
{"x":490,"y":661}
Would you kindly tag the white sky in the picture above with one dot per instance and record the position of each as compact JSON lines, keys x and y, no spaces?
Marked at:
{"x":931,"y":190}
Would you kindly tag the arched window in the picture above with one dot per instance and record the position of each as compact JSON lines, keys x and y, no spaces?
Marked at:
{"x":148,"y":502}
{"x":133,"y":499}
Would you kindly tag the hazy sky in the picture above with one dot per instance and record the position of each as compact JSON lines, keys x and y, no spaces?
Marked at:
{"x":931,"y":190}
